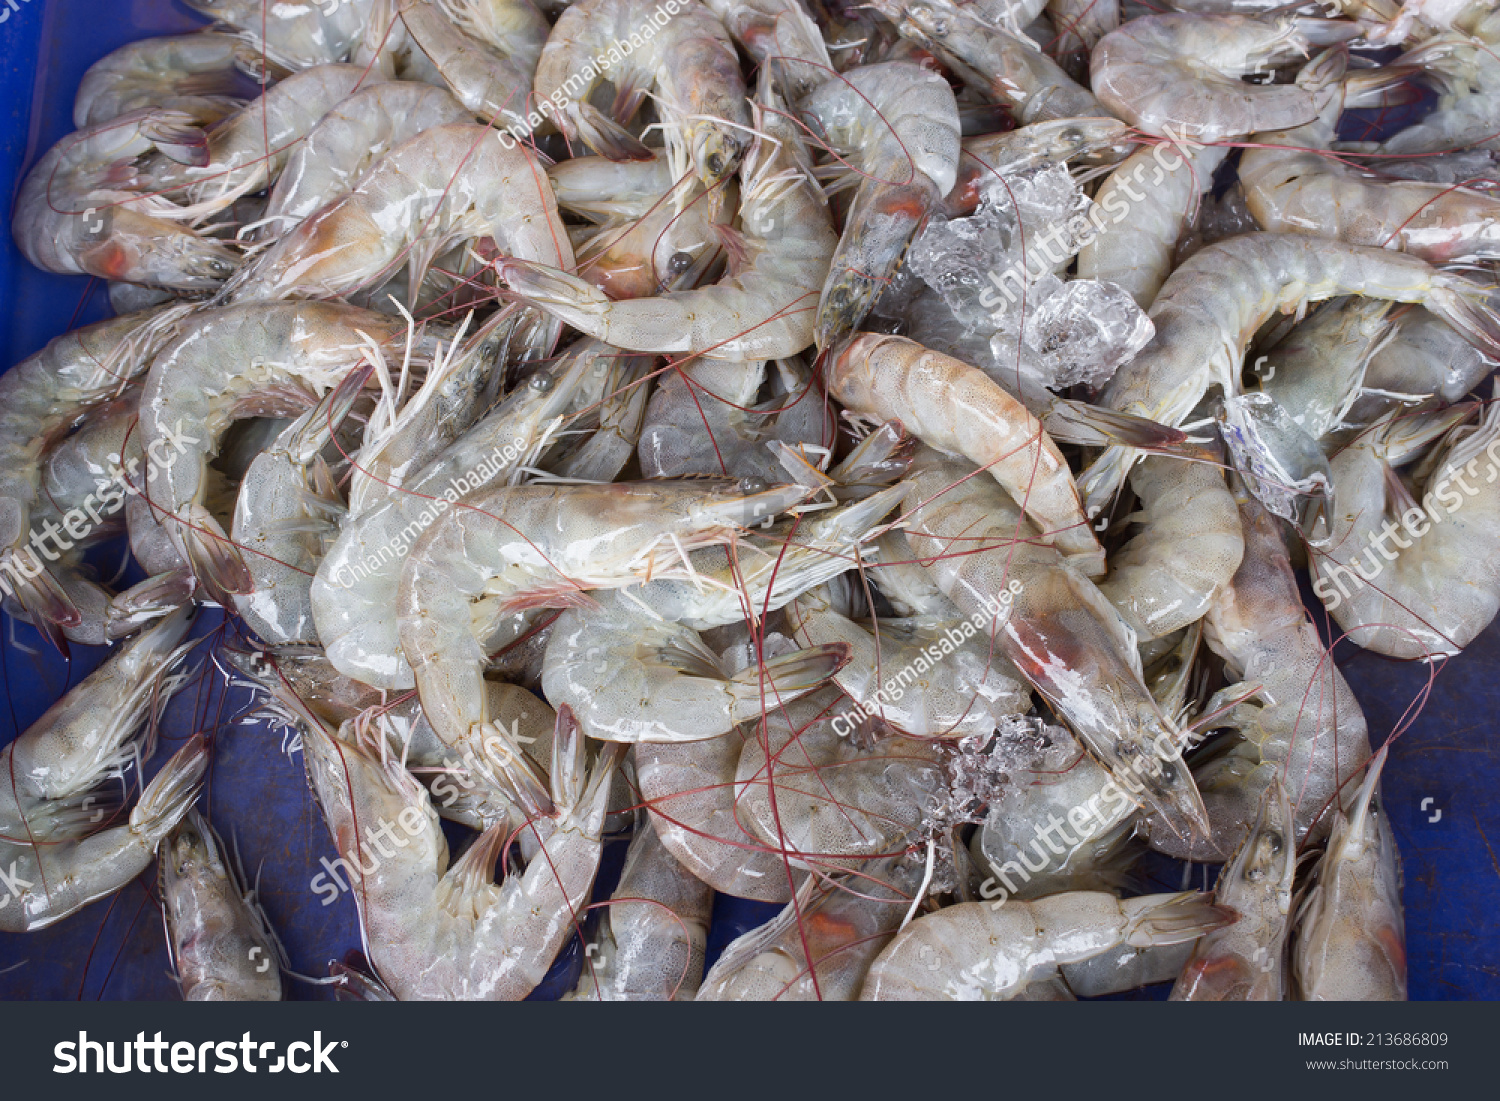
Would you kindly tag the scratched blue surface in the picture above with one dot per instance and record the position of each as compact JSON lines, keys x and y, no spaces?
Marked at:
{"x":1448,"y":753}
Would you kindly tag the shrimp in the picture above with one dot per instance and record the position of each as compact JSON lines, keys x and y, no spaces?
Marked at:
{"x":663,"y":250}
{"x":192,"y":73}
{"x":1091,"y":140}
{"x":1291,"y":187}
{"x":1211,"y":306}
{"x":450,"y":933}
{"x":895,"y":126}
{"x":296,"y":34}
{"x":355,"y":590}
{"x":287,"y":512}
{"x":959,"y":410}
{"x":704,"y":419}
{"x":484,"y":51}
{"x":841,"y":925}
{"x":1126,"y":968}
{"x":542,"y":546}
{"x":827,"y":801}
{"x":782,"y":35}
{"x":1426,"y":356}
{"x":610,"y":447}
{"x":654,"y":933}
{"x":1306,"y":729}
{"x":349,"y":138}
{"x":1351,"y":932}
{"x":962,"y":695}
{"x":632,"y":678}
{"x":249,"y":149}
{"x":447,"y":185}
{"x":230,"y":363}
{"x":1080,"y":25}
{"x":1178,"y":76}
{"x":997,"y":62}
{"x":1246,"y":961}
{"x":1188,"y":550}
{"x":1137,"y":252}
{"x":975,"y":951}
{"x":88,"y":208}
{"x":1318,"y":369}
{"x":55,"y":774}
{"x":1057,"y":629}
{"x":759,"y":312}
{"x":1467,"y":73}
{"x":221,"y":944}
{"x":1439,"y":588}
{"x":603,"y":190}
{"x":40,"y":399}
{"x":688,"y":58}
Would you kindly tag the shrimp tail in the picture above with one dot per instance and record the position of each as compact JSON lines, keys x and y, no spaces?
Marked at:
{"x":563,"y":295}
{"x":150,"y":599}
{"x":214,"y":560}
{"x":168,"y":797}
{"x":44,"y":599}
{"x":1077,"y":422}
{"x":784,"y":679}
{"x":607,"y":137}
{"x":882,"y":221}
{"x":1470,"y":308}
{"x":1153,"y":920}
{"x":177,"y":136}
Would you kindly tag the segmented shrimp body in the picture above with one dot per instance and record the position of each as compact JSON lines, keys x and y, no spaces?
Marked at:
{"x":974,"y":951}
{"x":895,"y":125}
{"x":192,"y":73}
{"x":1211,"y":306}
{"x":222,"y":947}
{"x":761,"y":311}
{"x":958,"y":409}
{"x":782,"y":35}
{"x":296,"y":34}
{"x":54,"y":789}
{"x":1178,"y":75}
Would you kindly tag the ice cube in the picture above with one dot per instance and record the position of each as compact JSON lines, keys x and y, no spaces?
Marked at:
{"x":1086,"y":331}
{"x":1280,"y":462}
{"x":955,"y":257}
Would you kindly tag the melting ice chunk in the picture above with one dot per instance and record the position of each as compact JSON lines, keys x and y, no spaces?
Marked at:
{"x":1280,"y":461}
{"x":1086,"y":330}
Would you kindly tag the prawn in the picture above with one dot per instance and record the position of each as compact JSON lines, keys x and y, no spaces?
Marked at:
{"x":192,"y":73}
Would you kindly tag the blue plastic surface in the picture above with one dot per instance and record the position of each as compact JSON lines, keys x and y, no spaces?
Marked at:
{"x":1440,"y":784}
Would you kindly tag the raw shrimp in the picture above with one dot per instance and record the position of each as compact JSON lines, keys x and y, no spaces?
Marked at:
{"x":895,"y":127}
{"x":630,"y":677}
{"x":231,"y":363}
{"x":688,"y":58}
{"x":248,"y":150}
{"x":524,"y":547}
{"x":763,"y":310}
{"x":1246,"y":961}
{"x":666,"y":249}
{"x":996,"y":62}
{"x":1432,"y":594}
{"x":1211,"y":306}
{"x":1293,"y":187}
{"x":192,"y":73}
{"x":40,"y":399}
{"x":1426,"y":356}
{"x":1080,"y":25}
{"x":842,"y":925}
{"x":622,"y":414}
{"x":351,"y":137}
{"x":654,"y":932}
{"x":1467,"y":73}
{"x":483,"y":51}
{"x":221,"y":944}
{"x":451,"y":933}
{"x":829,"y":801}
{"x":603,"y":190}
{"x":1029,"y":148}
{"x":1305,"y":729}
{"x":296,"y":34}
{"x":975,"y":951}
{"x":782,"y":35}
{"x":53,"y":792}
{"x":1351,"y":932}
{"x":1189,"y":547}
{"x":704,"y":419}
{"x":959,"y":410}
{"x":1316,"y":371}
{"x":1126,"y":968}
{"x":447,"y":185}
{"x":287,"y":513}
{"x":355,"y":591}
{"x":1178,"y":76}
{"x":1058,"y":630}
{"x":87,"y":208}
{"x":962,"y":689}
{"x":1137,"y":251}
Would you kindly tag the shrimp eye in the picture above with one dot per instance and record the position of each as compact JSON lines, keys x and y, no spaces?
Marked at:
{"x":541,"y":382}
{"x":715,"y":164}
{"x":1169,"y":773}
{"x":752,"y":486}
{"x":1275,"y":842}
{"x":680,"y":262}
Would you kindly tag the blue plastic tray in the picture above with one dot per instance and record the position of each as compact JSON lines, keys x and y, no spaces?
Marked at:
{"x":1440,"y":784}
